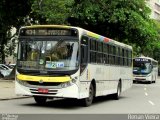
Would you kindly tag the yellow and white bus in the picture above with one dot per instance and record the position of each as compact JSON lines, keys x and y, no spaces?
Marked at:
{"x":145,"y":69}
{"x":56,"y":61}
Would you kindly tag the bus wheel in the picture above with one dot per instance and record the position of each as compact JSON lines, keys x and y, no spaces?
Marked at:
{"x":150,"y":82}
{"x":88,"y":101}
{"x":116,"y":95}
{"x":1,"y":76}
{"x":40,"y":100}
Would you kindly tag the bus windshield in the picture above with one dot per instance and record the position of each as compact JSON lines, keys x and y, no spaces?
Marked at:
{"x":142,"y":68}
{"x":48,"y":55}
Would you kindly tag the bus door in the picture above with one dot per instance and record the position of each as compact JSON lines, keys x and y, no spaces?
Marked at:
{"x":84,"y":53}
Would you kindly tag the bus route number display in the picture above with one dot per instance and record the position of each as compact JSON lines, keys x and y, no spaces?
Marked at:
{"x":141,"y":60}
{"x":47,"y":32}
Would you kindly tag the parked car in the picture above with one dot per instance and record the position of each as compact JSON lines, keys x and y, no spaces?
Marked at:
{"x":4,"y":70}
{"x":12,"y":65}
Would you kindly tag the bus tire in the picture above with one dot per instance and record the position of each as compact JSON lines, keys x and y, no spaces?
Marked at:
{"x":150,"y":82}
{"x":40,"y":100}
{"x":117,"y":95}
{"x":1,"y":76}
{"x":88,"y":101}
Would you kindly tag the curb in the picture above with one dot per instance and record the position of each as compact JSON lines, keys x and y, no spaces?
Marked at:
{"x":13,"y":98}
{"x":1,"y":80}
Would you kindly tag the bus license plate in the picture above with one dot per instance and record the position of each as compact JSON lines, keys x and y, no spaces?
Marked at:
{"x":42,"y":90}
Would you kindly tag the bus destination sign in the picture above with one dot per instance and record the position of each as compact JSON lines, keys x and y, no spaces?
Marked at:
{"x":48,"y":32}
{"x":141,"y":60}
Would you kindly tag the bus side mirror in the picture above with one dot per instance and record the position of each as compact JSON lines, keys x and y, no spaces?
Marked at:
{"x":151,"y":66}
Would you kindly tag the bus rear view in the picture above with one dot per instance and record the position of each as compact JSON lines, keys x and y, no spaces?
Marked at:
{"x":145,"y":69}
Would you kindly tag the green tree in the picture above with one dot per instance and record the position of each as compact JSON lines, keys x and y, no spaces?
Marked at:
{"x":122,"y":20}
{"x":156,"y":50}
{"x":51,"y":11}
{"x":12,"y":13}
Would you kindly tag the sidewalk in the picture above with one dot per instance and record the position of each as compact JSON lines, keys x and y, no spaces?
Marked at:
{"x":7,"y":90}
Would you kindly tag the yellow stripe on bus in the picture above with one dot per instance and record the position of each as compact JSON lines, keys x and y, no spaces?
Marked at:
{"x":44,"y":79}
{"x":93,"y":35}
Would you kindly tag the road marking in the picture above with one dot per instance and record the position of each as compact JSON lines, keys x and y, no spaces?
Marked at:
{"x":151,"y":102}
{"x":146,"y":94}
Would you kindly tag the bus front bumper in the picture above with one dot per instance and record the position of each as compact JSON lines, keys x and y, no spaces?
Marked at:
{"x":142,"y":78}
{"x":67,"y":92}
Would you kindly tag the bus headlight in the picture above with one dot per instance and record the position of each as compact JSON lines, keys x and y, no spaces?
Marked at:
{"x":74,"y":79}
{"x":66,"y":84}
{"x":69,"y":83}
{"x":148,"y":75}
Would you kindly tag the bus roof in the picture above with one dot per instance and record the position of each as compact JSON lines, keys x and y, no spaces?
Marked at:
{"x":48,"y":26}
{"x":85,"y":32}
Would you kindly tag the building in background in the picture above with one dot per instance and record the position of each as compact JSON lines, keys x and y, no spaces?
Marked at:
{"x":12,"y":58}
{"x":154,"y":5}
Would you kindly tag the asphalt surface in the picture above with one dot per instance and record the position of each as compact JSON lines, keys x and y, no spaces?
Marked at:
{"x":141,"y":99}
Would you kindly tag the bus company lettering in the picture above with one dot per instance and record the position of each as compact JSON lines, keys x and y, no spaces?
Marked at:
{"x":98,"y":70}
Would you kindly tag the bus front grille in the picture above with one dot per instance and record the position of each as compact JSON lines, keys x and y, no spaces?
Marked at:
{"x":44,"y":83}
{"x":49,"y":92}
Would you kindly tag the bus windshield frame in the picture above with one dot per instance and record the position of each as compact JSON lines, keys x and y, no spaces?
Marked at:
{"x":66,"y":47}
{"x":142,"y":66}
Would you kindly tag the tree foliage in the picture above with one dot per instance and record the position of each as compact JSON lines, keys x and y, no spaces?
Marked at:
{"x":122,"y":20}
{"x":51,"y":11}
{"x":126,"y":21}
{"x":12,"y":13}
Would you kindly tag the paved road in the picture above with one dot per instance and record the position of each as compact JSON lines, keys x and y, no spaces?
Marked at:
{"x":141,"y":98}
